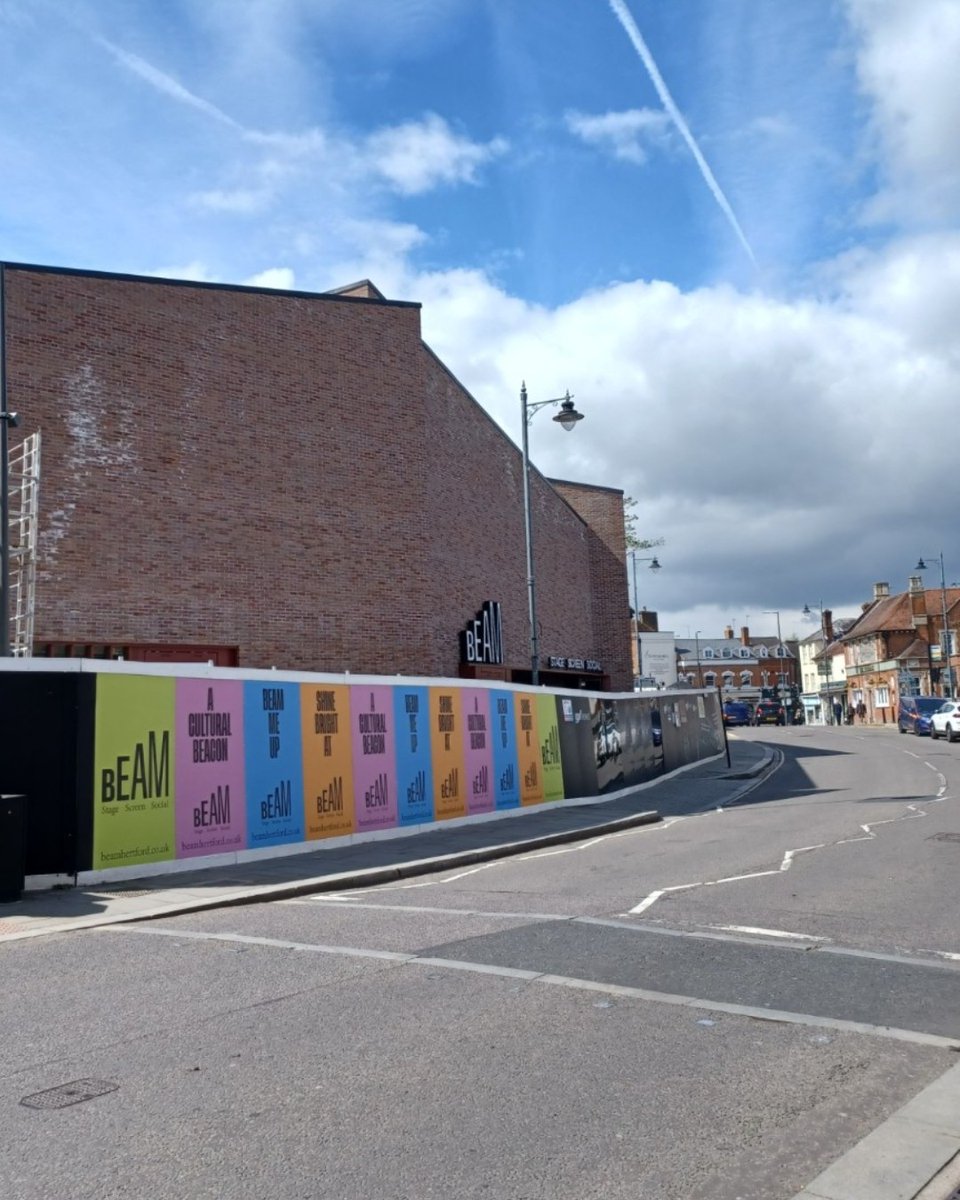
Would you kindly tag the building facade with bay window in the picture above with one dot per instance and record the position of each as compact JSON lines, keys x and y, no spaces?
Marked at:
{"x":291,"y":480}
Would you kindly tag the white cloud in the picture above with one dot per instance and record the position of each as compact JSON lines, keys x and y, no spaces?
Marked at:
{"x":626,"y":135}
{"x":790,"y":449}
{"x":907,"y":63}
{"x":243,"y":201}
{"x":273,"y":277}
{"x":420,"y":155}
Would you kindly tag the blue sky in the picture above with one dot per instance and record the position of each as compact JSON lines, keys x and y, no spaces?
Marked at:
{"x":749,"y":275}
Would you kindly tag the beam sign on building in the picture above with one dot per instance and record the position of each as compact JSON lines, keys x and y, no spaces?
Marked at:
{"x":482,"y":639}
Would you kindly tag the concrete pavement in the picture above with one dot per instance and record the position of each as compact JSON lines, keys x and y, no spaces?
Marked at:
{"x":707,"y":785}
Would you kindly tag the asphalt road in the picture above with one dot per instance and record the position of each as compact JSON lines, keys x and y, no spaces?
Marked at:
{"x":713,"y":1008}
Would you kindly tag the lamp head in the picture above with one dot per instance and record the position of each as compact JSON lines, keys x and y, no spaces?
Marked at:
{"x":806,"y":611}
{"x":568,"y":416}
{"x":921,"y":565}
{"x":655,"y":564}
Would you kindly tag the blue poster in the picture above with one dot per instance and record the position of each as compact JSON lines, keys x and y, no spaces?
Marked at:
{"x":503,"y":731}
{"x":411,"y":717}
{"x":271,"y":719}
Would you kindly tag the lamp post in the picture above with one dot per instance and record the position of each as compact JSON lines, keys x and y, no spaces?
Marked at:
{"x":699,"y":667}
{"x":567,"y":418}
{"x":775,"y":612}
{"x":946,"y":672}
{"x":7,"y":419}
{"x":808,"y":612}
{"x":654,"y":566}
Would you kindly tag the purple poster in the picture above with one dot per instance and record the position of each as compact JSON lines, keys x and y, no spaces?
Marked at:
{"x":478,"y":750}
{"x":208,"y":736}
{"x":374,"y":758}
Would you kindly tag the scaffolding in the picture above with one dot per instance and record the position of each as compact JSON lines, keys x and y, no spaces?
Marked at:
{"x":24,"y":491}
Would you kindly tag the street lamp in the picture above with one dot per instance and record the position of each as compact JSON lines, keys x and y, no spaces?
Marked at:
{"x":781,"y":674}
{"x":654,"y":566}
{"x":567,"y":418}
{"x":808,"y":612}
{"x":947,"y":674}
{"x":699,"y":667}
{"x":7,"y":420}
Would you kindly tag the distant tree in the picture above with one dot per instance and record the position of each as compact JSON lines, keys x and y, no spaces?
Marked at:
{"x":634,"y":541}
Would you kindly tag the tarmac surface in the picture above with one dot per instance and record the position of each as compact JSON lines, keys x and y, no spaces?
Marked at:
{"x":888,"y":1164}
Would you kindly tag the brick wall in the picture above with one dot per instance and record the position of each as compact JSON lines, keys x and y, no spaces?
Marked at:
{"x":297,"y":475}
{"x":602,"y":510}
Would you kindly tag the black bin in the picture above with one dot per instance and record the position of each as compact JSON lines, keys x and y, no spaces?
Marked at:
{"x":13,"y":846}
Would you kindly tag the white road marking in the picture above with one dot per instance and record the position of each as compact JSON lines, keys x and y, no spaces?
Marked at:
{"x":565,"y":981}
{"x":320,"y":901}
{"x":515,"y":858}
{"x":747,"y":935}
{"x":776,"y":933}
{"x":785,"y":864}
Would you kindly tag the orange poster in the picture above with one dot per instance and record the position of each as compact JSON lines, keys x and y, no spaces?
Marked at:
{"x":327,"y":760}
{"x":528,"y":749}
{"x":446,"y":746}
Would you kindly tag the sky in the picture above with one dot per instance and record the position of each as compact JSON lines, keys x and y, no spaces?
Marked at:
{"x":730,"y":228}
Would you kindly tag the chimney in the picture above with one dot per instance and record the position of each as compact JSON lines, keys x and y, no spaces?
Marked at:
{"x":728,"y":632}
{"x":744,"y":636}
{"x":880,"y":590}
{"x":649,"y":621}
{"x":828,"y":625}
{"x":918,"y":607}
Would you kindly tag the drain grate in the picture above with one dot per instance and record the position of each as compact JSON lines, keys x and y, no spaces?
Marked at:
{"x":69,"y":1093}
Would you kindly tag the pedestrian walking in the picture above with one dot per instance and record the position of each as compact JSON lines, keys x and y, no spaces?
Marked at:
{"x":837,"y":712}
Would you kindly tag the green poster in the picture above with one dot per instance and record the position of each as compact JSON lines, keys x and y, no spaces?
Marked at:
{"x":549,"y":747}
{"x":133,"y":813}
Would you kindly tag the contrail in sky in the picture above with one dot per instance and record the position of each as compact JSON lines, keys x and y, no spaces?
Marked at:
{"x":622,"y":14}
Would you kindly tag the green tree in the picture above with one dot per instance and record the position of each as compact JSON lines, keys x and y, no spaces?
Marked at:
{"x":634,"y":541}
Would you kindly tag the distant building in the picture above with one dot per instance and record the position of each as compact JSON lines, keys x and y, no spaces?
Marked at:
{"x":741,"y":667}
{"x":899,"y":646}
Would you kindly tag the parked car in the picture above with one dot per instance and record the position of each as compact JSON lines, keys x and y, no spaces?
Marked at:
{"x":735,"y":712}
{"x":945,"y":722}
{"x":769,"y":712}
{"x":914,"y":713}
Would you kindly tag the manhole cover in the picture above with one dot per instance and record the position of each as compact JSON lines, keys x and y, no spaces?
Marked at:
{"x":69,"y":1093}
{"x":944,"y":837}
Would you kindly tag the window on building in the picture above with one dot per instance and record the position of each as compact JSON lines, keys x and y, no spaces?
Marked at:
{"x":744,"y":652}
{"x":708,"y":652}
{"x":881,"y":697}
{"x":727,"y":652}
{"x":745,"y":678}
{"x":728,"y":679}
{"x":710,"y":678}
{"x":760,"y":651}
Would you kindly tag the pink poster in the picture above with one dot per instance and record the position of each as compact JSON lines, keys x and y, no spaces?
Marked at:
{"x":477,"y":750}
{"x":374,"y":757}
{"x":208,"y":739}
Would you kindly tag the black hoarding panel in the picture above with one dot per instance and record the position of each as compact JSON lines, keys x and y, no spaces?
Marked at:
{"x":576,"y":746}
{"x":40,"y":755}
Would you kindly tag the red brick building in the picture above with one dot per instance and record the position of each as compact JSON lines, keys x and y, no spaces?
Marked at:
{"x":289,"y":479}
{"x":900,"y":646}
